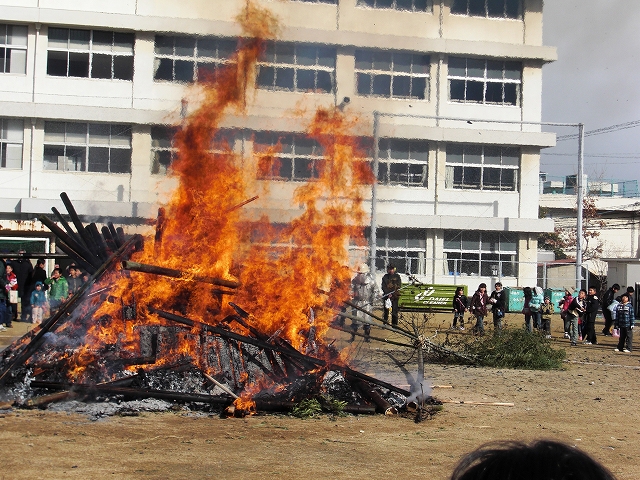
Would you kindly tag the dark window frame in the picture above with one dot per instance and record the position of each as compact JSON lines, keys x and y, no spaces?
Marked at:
{"x":474,"y":167}
{"x":84,"y":149}
{"x":96,"y":54}
{"x":392,"y":74}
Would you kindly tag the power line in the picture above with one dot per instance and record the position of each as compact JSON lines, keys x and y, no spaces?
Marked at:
{"x":601,"y":131}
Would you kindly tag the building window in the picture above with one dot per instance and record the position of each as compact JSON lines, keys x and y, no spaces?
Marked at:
{"x":13,"y":48}
{"x":11,"y":140}
{"x":381,"y":73}
{"x":489,"y":254}
{"x":162,"y":150}
{"x":473,"y":80}
{"x":488,"y":8}
{"x":189,"y":59}
{"x":407,"y":5}
{"x":403,"y":247}
{"x":482,"y":167}
{"x":90,"y":54}
{"x":287,"y":156}
{"x":297,"y":68}
{"x":93,"y":147}
{"x":403,"y":162}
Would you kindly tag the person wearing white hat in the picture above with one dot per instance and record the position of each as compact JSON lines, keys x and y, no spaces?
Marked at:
{"x":363,"y":291}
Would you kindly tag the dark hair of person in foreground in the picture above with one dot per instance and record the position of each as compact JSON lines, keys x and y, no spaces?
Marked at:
{"x":541,"y":460}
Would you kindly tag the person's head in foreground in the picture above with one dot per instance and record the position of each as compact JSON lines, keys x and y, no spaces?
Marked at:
{"x":540,"y":460}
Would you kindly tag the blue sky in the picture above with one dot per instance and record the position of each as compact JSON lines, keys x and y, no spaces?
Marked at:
{"x":595,"y":81}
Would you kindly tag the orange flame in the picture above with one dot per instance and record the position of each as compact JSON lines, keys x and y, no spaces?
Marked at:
{"x":204,"y":234}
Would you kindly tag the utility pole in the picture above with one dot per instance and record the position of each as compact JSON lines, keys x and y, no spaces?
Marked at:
{"x":580,"y":200}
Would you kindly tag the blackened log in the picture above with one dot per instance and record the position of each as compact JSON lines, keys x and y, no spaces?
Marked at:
{"x":121,"y":236}
{"x":108,"y":238}
{"x":65,"y":224}
{"x":67,"y":307}
{"x":101,"y":246}
{"x":128,"y":392}
{"x":285,"y":406}
{"x":114,"y":234}
{"x":79,"y":259}
{"x":44,"y":400}
{"x":75,"y":218}
{"x":169,"y":272}
{"x":369,"y":393}
{"x":236,"y":336}
{"x":81,"y":252}
{"x":160,"y":224}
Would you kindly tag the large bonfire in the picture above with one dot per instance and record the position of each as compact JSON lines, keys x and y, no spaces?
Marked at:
{"x":287,"y":291}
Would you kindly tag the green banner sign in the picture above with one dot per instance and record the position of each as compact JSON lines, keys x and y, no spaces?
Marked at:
{"x":428,"y":297}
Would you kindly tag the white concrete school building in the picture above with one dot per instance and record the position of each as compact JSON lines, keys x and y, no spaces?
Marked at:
{"x":87,"y":88}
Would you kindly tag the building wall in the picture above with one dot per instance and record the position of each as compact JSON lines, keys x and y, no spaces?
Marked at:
{"x":436,"y":208}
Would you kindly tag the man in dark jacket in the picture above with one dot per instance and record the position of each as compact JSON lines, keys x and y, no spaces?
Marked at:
{"x":23,"y":269}
{"x":391,"y":284}
{"x":607,"y":299}
{"x":592,"y":305}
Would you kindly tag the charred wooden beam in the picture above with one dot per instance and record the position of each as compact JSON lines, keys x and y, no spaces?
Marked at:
{"x":43,"y":400}
{"x":64,"y":223}
{"x":75,"y":219}
{"x":114,"y":234}
{"x":101,"y":246}
{"x":80,"y":252}
{"x":361,"y":376}
{"x":169,"y":272}
{"x":369,"y":393}
{"x":160,"y":224}
{"x":67,"y":307}
{"x":236,"y":336}
{"x":108,"y":238}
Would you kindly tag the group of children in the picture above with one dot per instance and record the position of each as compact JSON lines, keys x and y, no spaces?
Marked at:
{"x":579,"y":313}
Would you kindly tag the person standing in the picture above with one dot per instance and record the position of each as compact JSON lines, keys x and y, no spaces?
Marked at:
{"x":5,"y":317}
{"x":625,"y":320}
{"x":534,"y":304}
{"x":589,"y":329}
{"x":564,"y":304}
{"x":11,"y":286}
{"x":391,"y":285}
{"x":460,"y":305}
{"x":23,"y":269}
{"x":574,"y":313}
{"x":546,"y":310}
{"x":526,"y":309}
{"x":58,"y":290}
{"x":607,"y":299}
{"x":363,"y":290}
{"x":497,"y":307}
{"x":38,"y":301}
{"x":478,"y":308}
{"x":74,"y":279}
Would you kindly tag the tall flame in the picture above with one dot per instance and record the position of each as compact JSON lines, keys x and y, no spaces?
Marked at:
{"x":206,"y":235}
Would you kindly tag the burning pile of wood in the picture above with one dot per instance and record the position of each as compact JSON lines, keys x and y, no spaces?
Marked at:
{"x":143,"y":354}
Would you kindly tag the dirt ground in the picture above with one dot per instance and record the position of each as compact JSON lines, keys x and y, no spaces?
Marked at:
{"x":592,"y":403}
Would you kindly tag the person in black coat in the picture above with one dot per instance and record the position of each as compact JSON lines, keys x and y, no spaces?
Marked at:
{"x":23,"y":269}
{"x":592,"y":306}
{"x":498,"y":307}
